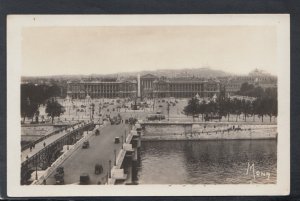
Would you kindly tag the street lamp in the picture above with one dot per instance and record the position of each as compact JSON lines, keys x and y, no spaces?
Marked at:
{"x":168,"y":109}
{"x":109,"y":169}
{"x":36,"y":164}
{"x":115,"y":161}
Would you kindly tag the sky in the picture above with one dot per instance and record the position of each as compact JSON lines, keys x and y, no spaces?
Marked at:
{"x":108,"y":49}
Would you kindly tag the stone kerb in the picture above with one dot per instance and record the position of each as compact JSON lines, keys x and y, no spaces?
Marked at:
{"x":118,"y":173}
{"x":64,"y":156}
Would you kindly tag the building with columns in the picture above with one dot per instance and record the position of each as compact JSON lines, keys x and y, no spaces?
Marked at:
{"x":102,"y":89}
{"x":185,"y":87}
{"x":150,"y":87}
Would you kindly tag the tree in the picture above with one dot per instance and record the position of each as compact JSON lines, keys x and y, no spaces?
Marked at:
{"x":28,"y":108}
{"x":260,"y":107}
{"x":201,"y":108}
{"x":237,"y":107}
{"x":271,"y":107}
{"x":246,"y":108}
{"x":192,"y":108}
{"x":54,"y":109}
{"x":37,"y":113}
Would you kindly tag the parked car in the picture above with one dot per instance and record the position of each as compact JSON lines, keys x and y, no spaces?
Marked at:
{"x":59,"y":179}
{"x":84,"y":179}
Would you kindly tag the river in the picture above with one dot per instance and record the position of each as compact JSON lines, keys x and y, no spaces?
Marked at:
{"x":208,"y":162}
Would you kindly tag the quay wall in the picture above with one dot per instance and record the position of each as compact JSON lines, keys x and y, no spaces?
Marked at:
{"x":191,"y":131}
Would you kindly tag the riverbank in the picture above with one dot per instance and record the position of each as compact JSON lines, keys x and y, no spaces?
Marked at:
{"x":177,"y":131}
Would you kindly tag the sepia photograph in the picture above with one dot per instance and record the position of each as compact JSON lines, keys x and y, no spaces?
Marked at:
{"x":148,"y":105}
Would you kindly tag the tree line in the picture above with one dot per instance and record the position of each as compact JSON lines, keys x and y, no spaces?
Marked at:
{"x":263,"y":103}
{"x":32,"y":96}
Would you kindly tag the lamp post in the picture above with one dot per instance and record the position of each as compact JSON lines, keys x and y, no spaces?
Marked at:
{"x":36,"y":164}
{"x":168,"y":109}
{"x":109,"y":169}
{"x":115,"y":161}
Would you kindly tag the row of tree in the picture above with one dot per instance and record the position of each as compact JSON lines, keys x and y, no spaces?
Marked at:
{"x":228,"y":107}
{"x":32,"y":96}
{"x":256,"y":91}
{"x":264,"y":104}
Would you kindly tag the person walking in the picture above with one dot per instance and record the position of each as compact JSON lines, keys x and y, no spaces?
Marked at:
{"x":44,"y":144}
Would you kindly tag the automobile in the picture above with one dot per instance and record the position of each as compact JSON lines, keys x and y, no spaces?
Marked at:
{"x":153,"y":117}
{"x":60,"y":170}
{"x":98,"y":169}
{"x":59,"y":179}
{"x":84,"y":179}
{"x":208,"y":118}
{"x":85,"y":145}
{"x":117,"y":140}
{"x":160,"y":106}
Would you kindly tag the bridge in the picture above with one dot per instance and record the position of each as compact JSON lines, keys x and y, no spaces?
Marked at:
{"x":47,"y":151}
{"x":117,"y":159}
{"x":126,"y":163}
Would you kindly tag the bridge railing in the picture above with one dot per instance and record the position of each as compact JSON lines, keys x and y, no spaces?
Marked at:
{"x":46,"y":136}
{"x":62,"y":158}
{"x":39,"y":152}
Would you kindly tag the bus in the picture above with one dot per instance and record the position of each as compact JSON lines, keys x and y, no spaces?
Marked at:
{"x":153,"y":117}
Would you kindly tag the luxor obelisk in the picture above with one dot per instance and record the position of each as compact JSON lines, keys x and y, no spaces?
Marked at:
{"x":139,"y":86}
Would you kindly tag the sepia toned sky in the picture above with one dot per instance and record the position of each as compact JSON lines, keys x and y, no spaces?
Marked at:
{"x":105,"y":50}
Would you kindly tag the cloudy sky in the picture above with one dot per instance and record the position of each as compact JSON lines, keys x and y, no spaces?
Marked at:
{"x":104,"y":50}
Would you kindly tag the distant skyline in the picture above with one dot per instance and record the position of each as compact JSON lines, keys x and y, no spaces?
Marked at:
{"x":108,"y":50}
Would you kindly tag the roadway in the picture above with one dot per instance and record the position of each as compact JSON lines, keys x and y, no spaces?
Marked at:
{"x":101,"y":150}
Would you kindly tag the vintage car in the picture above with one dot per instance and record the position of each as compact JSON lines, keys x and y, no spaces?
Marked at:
{"x":117,"y":140}
{"x":59,"y":178}
{"x":211,"y":117}
{"x":84,"y":179}
{"x":98,"y":169}
{"x":85,"y":145}
{"x":60,"y":170}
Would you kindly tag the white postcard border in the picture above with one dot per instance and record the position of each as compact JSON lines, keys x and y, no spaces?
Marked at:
{"x":15,"y":23}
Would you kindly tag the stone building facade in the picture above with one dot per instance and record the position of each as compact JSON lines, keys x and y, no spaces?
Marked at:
{"x":159,"y":87}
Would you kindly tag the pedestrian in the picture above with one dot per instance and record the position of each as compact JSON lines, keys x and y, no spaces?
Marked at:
{"x":33,"y":145}
{"x":30,"y":148}
{"x":44,"y":144}
{"x":44,"y":182}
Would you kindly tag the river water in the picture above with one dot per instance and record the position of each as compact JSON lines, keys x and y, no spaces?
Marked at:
{"x":208,"y":162}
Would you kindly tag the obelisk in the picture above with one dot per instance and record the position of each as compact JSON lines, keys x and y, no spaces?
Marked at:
{"x":139,"y":86}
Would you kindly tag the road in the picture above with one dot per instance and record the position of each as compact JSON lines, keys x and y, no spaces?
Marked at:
{"x":39,"y":146}
{"x":101,"y":150}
